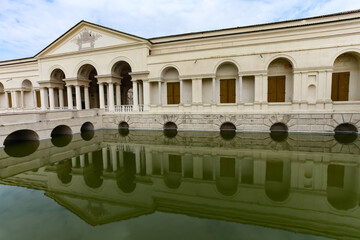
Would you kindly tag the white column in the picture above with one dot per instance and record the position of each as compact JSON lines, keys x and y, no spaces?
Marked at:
{"x":108,"y":95}
{"x":34,"y":99}
{"x":61,"y":98}
{"x":86,"y":96}
{"x":51,"y":98}
{"x":258,"y":88}
{"x":213,"y":100}
{"x":42,"y":97}
{"x":7,"y":100}
{"x":135,"y":96}
{"x":111,"y":97}
{"x":240,"y":89}
{"x":182,"y":91}
{"x":78,"y":97}
{"x":159,"y":90}
{"x":146,"y":90}
{"x":15,"y":99}
{"x":328,"y":85}
{"x":141,"y":94}
{"x":69,"y":97}
{"x":22,"y":99}
{"x":101,"y":95}
{"x":118,"y":95}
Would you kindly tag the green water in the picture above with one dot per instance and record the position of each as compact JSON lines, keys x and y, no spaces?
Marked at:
{"x":181,"y":185}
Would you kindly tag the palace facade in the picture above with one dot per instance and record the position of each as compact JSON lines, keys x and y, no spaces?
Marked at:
{"x":303,"y":74}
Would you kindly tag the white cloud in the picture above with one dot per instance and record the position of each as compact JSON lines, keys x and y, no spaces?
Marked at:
{"x":26,"y":27}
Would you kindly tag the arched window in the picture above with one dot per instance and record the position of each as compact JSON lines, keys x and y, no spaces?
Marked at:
{"x":280,"y":81}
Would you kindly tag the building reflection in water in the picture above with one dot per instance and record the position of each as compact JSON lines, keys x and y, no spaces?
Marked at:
{"x":289,"y":182}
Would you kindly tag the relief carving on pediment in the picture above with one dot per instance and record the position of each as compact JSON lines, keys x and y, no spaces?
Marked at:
{"x":86,"y":39}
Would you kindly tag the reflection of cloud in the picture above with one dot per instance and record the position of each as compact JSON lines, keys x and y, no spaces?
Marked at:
{"x":26,"y":27}
{"x":28,"y":214}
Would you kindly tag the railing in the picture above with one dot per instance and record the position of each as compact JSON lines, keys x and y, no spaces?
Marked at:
{"x":124,"y":108}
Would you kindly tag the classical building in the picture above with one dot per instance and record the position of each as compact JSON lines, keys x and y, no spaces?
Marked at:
{"x":301,"y":73}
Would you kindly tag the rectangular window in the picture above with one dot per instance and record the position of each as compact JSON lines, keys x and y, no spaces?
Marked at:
{"x":227,"y":91}
{"x":173,"y":93}
{"x":276,"y":89}
{"x":10,"y":100}
{"x":340,"y":86}
{"x":38,"y":99}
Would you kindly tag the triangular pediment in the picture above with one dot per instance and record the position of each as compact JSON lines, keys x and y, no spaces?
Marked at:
{"x":87,"y":36}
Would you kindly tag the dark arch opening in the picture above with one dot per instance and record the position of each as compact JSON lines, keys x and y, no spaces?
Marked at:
{"x":123,"y":129}
{"x":227,"y":131}
{"x":279,"y":132}
{"x":346,"y":133}
{"x":61,"y":136}
{"x":93,"y":176}
{"x":88,"y":72}
{"x":63,"y":171}
{"x":87,"y":131}
{"x":21,"y":143}
{"x":170,"y":130}
{"x":121,"y":70}
{"x":123,"y":125}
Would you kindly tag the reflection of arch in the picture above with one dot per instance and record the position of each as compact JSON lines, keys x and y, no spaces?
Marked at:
{"x":170,"y":129}
{"x":61,"y":136}
{"x":227,"y":181}
{"x":227,"y":187}
{"x":279,"y":132}
{"x":63,"y":171}
{"x":21,"y":143}
{"x":280,"y":80}
{"x":346,"y":133}
{"x":227,"y":131}
{"x":341,"y":188}
{"x":87,"y":131}
{"x":172,"y":180}
{"x":277,"y":184}
{"x":125,"y":178}
{"x":93,"y":176}
{"x":87,"y":126}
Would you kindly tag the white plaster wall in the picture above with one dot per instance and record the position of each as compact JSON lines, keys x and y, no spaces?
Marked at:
{"x":207,"y":90}
{"x":154,"y":93}
{"x":248,"y":91}
{"x":187,"y":91}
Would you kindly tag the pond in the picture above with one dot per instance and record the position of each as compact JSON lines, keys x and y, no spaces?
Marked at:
{"x":121,"y":184}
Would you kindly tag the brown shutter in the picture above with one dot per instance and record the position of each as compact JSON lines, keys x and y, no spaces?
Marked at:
{"x":10,"y":100}
{"x":334,"y":86}
{"x":271,"y":89}
{"x":231,"y":90}
{"x":176,"y":93}
{"x":343,"y":94}
{"x":170,"y":93}
{"x":38,"y":99}
{"x":280,"y":89}
{"x":223,"y":91}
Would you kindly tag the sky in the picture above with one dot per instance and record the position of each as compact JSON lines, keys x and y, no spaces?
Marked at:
{"x":28,"y":26}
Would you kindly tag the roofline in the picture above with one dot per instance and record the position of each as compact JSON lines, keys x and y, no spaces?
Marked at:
{"x":94,"y":24}
{"x":259,"y":25}
{"x":23,"y":60}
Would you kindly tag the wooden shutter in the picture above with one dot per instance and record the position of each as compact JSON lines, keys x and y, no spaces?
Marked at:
{"x":10,"y":100}
{"x":170,"y":93}
{"x":231,"y":90}
{"x":340,"y":86}
{"x":271,"y":89}
{"x":176,"y":93}
{"x":223,"y":91}
{"x":343,"y":94}
{"x":38,"y":99}
{"x":280,"y":89}
{"x":334,"y":86}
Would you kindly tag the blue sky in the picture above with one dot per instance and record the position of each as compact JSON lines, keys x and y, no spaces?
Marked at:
{"x":26,"y":27}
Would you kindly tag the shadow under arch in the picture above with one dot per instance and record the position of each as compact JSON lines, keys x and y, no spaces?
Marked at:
{"x":93,"y":176}
{"x":61,"y":136}
{"x":63,"y":171}
{"x":279,"y":132}
{"x":277,"y":180}
{"x":170,"y":130}
{"x":125,"y":178}
{"x":227,"y":131}
{"x":87,"y":131}
{"x":172,"y":180}
{"x":227,"y":186}
{"x":21,"y":143}
{"x":346,"y":133}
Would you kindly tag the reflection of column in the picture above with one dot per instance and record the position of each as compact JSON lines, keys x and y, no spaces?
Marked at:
{"x":104,"y":156}
{"x":78,"y":97}
{"x":159,"y":90}
{"x":121,"y":156}
{"x":135,"y":96}
{"x":118,"y":95}
{"x":198,"y":167}
{"x":137,"y":159}
{"x":86,"y":96}
{"x":73,"y":162}
{"x":22,"y":99}
{"x":69,"y":97}
{"x":42,"y":96}
{"x":148,"y":156}
{"x":111,"y":97}
{"x":114,"y":158}
{"x":51,"y":98}
{"x":90,"y":157}
{"x":61,"y":98}
{"x":101,"y":95}
{"x":213,"y":95}
{"x":82,"y":160}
